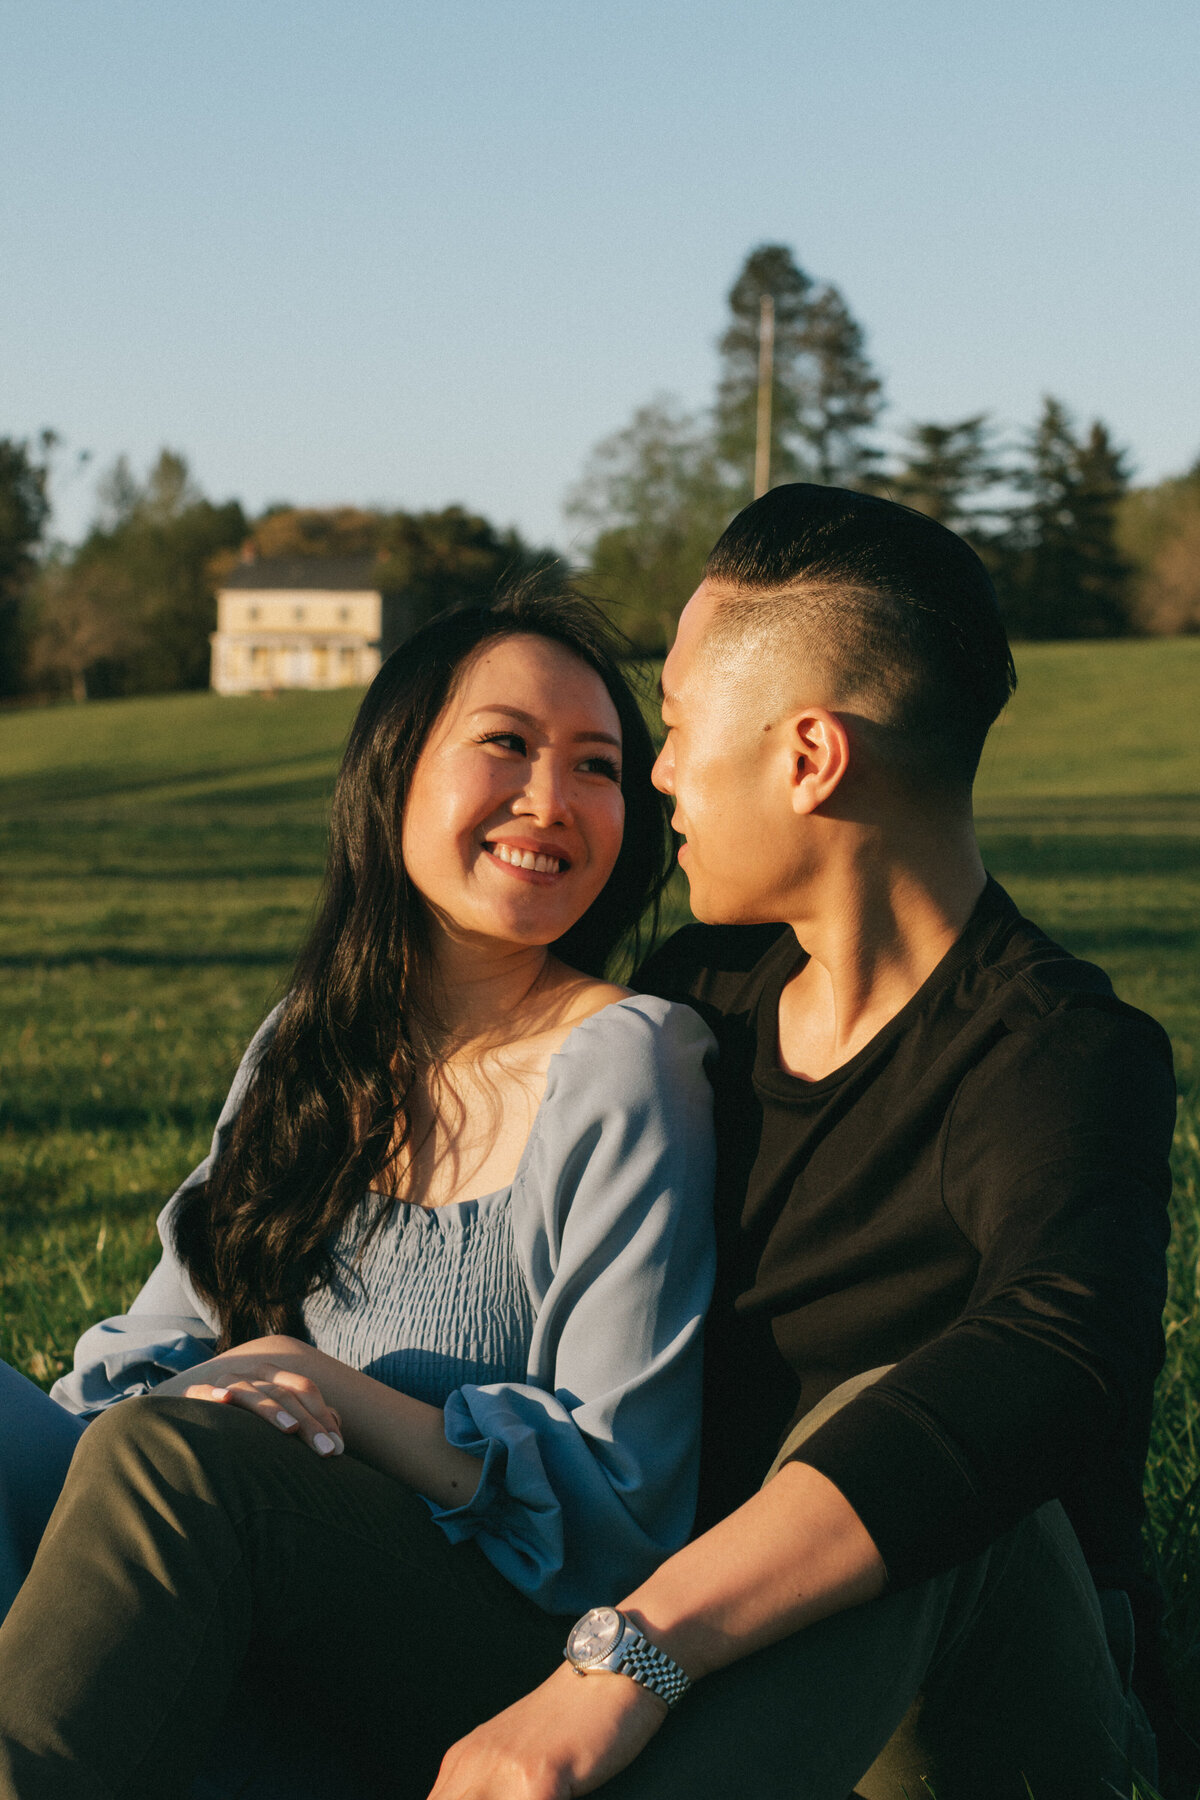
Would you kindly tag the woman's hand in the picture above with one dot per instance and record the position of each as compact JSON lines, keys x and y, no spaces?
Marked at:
{"x":267,"y":1377}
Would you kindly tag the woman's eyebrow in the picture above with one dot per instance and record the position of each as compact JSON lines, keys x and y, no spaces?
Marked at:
{"x":515,"y":712}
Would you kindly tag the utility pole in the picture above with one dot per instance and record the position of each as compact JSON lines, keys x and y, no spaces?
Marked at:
{"x":766,"y":371}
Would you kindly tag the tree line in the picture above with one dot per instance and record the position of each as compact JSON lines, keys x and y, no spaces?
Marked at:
{"x":1075,"y":550}
{"x":129,"y":610}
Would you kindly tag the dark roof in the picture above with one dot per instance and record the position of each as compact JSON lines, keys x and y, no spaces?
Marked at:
{"x":339,"y":573}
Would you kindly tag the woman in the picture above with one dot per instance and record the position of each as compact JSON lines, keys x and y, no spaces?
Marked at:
{"x":455,"y":1222}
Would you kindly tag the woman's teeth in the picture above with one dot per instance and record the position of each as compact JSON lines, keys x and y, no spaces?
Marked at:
{"x":525,"y":859}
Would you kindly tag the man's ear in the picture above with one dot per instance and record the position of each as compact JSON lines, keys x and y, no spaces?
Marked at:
{"x":820,"y":753}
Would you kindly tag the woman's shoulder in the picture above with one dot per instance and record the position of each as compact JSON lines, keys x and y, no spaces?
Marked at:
{"x":633,"y":1041}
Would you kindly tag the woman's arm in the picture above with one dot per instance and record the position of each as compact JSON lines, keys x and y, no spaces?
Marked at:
{"x":168,"y":1329}
{"x":300,"y":1390}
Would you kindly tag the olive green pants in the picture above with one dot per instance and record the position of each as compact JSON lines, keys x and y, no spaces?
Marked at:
{"x":994,"y":1681}
{"x":203,"y":1577}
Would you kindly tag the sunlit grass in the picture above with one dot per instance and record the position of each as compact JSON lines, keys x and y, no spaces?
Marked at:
{"x":159,"y":859}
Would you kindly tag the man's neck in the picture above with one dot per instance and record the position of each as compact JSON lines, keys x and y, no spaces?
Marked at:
{"x":874,"y":932}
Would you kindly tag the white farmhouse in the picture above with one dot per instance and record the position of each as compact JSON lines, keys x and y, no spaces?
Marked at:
{"x":297,"y":622}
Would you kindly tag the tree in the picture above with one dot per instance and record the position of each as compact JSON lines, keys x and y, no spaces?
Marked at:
{"x":433,"y":560}
{"x":825,"y":394}
{"x":947,"y":470}
{"x":73,"y":627}
{"x":771,"y":269}
{"x":652,"y":500}
{"x":1158,"y":531}
{"x":316,"y":531}
{"x":131,"y":611}
{"x":24,"y":511}
{"x":1065,"y":575}
{"x":846,"y":396}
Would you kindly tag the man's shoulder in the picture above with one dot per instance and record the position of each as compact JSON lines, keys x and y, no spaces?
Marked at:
{"x":719,"y":966}
{"x":1036,"y":982}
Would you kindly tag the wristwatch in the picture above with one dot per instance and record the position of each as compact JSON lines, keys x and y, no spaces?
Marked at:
{"x":605,"y":1639}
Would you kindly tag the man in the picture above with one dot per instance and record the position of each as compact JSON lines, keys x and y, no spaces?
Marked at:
{"x":943,"y":1217}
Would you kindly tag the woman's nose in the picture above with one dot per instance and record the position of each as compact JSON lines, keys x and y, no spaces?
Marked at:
{"x":547,"y":794}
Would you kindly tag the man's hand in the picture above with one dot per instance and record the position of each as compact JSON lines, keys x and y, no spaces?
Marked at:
{"x":567,"y":1737}
{"x":266,"y":1377}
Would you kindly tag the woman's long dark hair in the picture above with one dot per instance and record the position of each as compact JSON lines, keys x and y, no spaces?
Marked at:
{"x":319,"y":1122}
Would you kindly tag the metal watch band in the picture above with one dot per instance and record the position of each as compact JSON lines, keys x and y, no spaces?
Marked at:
{"x":651,"y":1667}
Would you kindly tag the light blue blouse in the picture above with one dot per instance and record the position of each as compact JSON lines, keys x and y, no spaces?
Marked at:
{"x":604,"y":1244}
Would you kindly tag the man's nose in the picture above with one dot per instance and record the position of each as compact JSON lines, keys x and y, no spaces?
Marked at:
{"x":663,"y":772}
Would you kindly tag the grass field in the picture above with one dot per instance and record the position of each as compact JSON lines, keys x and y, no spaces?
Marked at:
{"x":160,"y":857}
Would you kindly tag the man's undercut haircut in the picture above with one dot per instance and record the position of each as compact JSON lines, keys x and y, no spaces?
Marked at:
{"x":894,"y":615}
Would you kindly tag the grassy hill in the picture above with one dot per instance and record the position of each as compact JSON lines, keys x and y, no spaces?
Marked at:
{"x":159,"y":858}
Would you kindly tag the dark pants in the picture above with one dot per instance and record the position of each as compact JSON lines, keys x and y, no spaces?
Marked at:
{"x":994,"y":1681}
{"x":199,"y":1560}
{"x":204,"y":1574}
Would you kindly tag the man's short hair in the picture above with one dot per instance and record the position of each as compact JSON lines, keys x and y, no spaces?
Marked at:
{"x":893,"y":613}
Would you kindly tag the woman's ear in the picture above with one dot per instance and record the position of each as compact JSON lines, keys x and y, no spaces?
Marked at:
{"x":819,"y":747}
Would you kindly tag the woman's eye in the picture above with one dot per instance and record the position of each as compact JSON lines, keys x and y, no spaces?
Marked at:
{"x":602,"y":765}
{"x":507,"y":740}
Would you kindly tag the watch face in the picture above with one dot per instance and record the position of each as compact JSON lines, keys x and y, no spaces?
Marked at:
{"x":594,"y":1635}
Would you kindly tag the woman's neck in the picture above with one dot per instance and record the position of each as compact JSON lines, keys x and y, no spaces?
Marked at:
{"x":484,"y":993}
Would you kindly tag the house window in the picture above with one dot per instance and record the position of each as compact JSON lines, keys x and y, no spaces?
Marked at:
{"x":298,"y":612}
{"x":253,"y":614}
{"x":343,"y":613}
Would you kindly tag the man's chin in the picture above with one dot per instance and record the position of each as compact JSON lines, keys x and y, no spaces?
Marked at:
{"x":715,"y":909}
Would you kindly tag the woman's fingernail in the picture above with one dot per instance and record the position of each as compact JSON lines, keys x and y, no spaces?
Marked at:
{"x":285,"y":1420}
{"x":323,"y":1444}
{"x":338,"y":1441}
{"x":218,"y":1393}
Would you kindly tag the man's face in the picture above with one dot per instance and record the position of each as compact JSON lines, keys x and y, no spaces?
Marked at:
{"x":726,"y":765}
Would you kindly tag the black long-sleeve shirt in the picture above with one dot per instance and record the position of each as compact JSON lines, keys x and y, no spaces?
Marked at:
{"x":979,"y":1197}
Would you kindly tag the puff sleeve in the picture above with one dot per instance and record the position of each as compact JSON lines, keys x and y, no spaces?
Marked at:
{"x":590,"y":1466}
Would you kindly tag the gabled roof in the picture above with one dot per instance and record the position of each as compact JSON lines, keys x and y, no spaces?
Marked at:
{"x":337,"y":574}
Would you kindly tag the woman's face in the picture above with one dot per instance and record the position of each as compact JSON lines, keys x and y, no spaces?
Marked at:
{"x":514,"y":815}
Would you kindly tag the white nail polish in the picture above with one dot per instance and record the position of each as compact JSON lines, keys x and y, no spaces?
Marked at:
{"x":285,"y":1420}
{"x":338,"y":1442}
{"x":219,"y":1393}
{"x":323,"y":1444}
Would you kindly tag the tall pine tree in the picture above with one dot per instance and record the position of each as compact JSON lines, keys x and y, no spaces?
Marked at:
{"x":948,"y":471}
{"x":1064,"y":576}
{"x":771,"y":269}
{"x":825,"y":394}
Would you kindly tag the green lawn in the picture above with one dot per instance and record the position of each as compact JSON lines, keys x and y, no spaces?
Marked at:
{"x":158,"y":860}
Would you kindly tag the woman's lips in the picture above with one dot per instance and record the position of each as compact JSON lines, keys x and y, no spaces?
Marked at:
{"x":541,"y":861}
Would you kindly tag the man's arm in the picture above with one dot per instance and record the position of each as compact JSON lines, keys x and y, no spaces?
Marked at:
{"x":793,"y":1554}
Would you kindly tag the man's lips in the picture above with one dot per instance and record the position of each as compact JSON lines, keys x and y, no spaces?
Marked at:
{"x":529,"y":858}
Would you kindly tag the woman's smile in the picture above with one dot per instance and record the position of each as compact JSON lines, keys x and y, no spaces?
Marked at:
{"x":525,"y":858}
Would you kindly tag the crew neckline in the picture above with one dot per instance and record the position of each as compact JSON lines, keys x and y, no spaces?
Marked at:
{"x":776,"y":1082}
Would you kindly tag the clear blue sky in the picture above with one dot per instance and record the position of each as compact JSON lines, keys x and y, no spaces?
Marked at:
{"x":396,"y":252}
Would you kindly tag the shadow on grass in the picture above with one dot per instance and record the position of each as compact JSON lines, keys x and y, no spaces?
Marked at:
{"x":34,"y":793}
{"x":1069,"y":854}
{"x":80,"y":1112}
{"x":116,"y":956}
